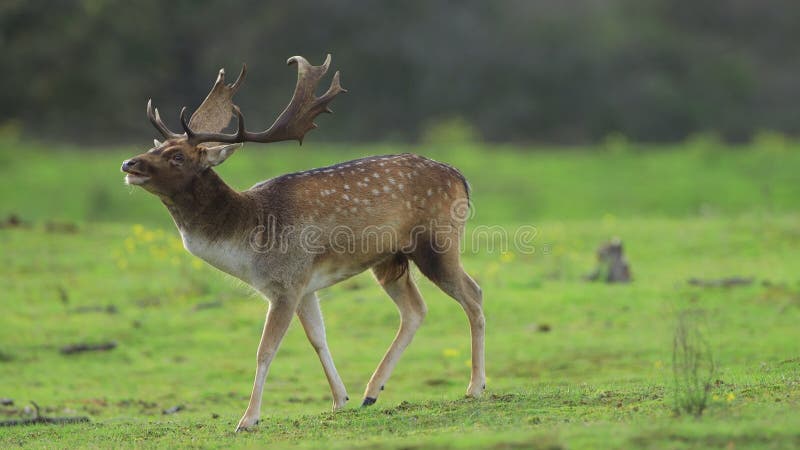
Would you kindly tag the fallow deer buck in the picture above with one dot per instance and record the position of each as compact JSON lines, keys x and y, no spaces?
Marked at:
{"x":376,"y":212}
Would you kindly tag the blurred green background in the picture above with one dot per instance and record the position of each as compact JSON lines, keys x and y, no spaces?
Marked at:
{"x":513,"y":70}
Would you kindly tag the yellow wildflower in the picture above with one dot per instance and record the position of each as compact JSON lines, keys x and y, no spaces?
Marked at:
{"x":506,"y":257}
{"x":450,"y":353}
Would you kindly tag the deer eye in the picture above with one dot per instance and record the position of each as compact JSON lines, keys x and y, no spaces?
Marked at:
{"x":177,"y":157}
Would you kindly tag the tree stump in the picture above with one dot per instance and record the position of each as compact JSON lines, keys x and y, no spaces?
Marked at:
{"x":612,"y":267}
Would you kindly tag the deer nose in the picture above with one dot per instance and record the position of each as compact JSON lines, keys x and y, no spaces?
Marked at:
{"x":128,"y":164}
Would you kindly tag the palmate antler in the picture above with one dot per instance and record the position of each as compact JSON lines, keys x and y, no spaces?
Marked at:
{"x":293,"y":123}
{"x":213,"y":115}
{"x":216,"y":111}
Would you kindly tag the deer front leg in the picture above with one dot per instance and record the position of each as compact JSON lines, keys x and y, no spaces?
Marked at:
{"x":279,"y":317}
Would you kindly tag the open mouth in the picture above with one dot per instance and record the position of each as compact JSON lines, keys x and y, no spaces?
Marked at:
{"x":134,"y":177}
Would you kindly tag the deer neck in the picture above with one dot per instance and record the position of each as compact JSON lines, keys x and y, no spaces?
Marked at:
{"x":208,"y":208}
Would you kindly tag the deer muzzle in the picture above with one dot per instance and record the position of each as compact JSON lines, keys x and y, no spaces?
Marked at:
{"x":133,"y":176}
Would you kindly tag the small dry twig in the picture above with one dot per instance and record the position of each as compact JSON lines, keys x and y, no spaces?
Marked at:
{"x":40,"y":419}
{"x":83,"y":347}
{"x":721,"y":282}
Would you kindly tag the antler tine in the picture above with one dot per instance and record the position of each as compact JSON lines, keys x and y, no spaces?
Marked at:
{"x":295,"y":120}
{"x":333,"y":91}
{"x":155,"y":119}
{"x":184,"y":123}
{"x":240,"y":130}
{"x":242,"y":74}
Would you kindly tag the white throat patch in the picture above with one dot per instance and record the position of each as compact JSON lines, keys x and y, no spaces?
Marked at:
{"x":231,"y":256}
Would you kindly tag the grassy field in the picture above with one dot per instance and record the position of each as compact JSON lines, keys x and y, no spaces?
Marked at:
{"x":571,"y":364}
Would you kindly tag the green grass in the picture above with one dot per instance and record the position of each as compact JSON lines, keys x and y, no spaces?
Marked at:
{"x":600,"y":377}
{"x":510,"y":185}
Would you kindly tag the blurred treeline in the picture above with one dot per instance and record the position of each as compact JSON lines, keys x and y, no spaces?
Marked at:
{"x":525,"y":71}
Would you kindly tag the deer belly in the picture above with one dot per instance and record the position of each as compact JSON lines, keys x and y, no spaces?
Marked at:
{"x":328,"y":276}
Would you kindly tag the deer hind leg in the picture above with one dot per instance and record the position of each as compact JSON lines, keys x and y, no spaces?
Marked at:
{"x":395,"y":279}
{"x":279,"y":316}
{"x":443,"y":267}
{"x":310,"y":317}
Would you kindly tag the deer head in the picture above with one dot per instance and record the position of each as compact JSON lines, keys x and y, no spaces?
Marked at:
{"x":173,"y":165}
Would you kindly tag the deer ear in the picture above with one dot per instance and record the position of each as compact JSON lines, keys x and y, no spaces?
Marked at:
{"x":217,"y":155}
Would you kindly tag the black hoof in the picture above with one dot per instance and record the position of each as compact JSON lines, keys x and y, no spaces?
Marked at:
{"x":484,"y":385}
{"x":381,"y":387}
{"x":368,"y":401}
